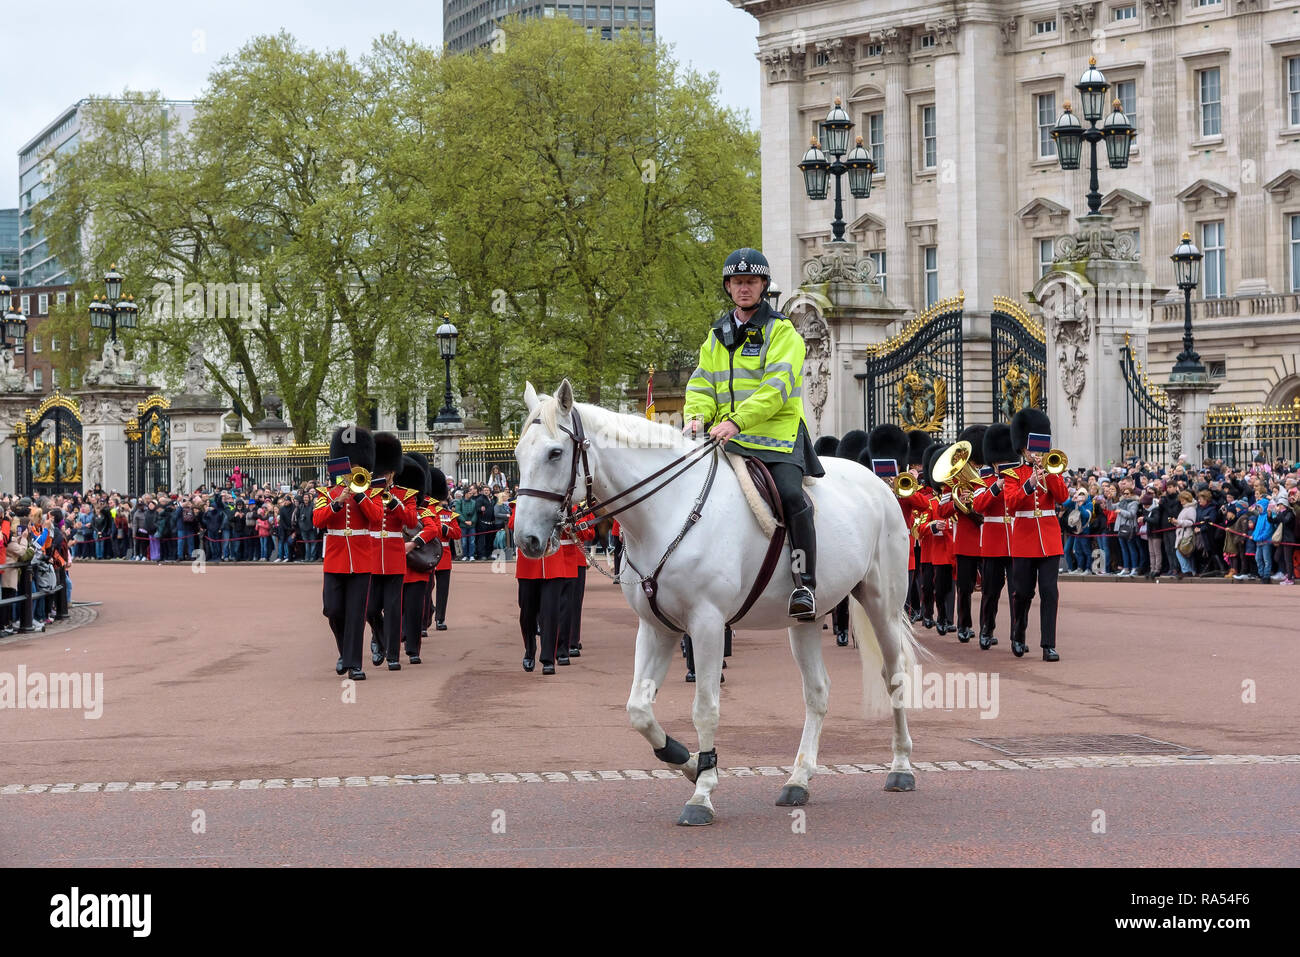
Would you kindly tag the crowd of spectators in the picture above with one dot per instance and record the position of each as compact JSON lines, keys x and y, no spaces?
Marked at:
{"x":1144,"y":519}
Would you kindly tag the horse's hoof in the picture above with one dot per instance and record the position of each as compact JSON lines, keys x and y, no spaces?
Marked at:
{"x":900,"y":781}
{"x":792,"y":795}
{"x":695,"y":815}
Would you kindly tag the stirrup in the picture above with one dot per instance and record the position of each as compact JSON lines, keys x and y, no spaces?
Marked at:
{"x":803,"y":604}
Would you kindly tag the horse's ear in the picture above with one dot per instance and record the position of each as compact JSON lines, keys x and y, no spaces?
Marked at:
{"x":564,"y":396}
{"x":530,"y":397}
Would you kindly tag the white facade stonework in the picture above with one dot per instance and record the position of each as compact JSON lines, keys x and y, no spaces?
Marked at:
{"x":1212,"y":148}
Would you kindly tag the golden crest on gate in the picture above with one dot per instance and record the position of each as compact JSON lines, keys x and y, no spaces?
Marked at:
{"x":1021,"y":389}
{"x":922,"y":400}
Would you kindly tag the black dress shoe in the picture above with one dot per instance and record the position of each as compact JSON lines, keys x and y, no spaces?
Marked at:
{"x":987,"y":642}
{"x":548,"y":669}
{"x":356,"y":674}
{"x":690,"y":677}
{"x":1049,"y":654}
{"x":842,"y":639}
{"x":964,"y":635}
{"x":928,"y":622}
{"x":376,"y":658}
{"x":340,"y":667}
{"x":415,"y":659}
{"x":915,"y":616}
{"x":440,"y":627}
{"x":394,"y":666}
{"x":575,"y":653}
{"x":1018,"y":648}
{"x":529,"y":664}
{"x":374,"y":649}
{"x":561,"y":660}
{"x":424,"y":634}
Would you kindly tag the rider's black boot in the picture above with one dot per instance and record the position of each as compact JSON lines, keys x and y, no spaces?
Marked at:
{"x":803,"y":549}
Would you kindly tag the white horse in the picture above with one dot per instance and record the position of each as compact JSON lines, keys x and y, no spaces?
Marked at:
{"x":862,"y":541}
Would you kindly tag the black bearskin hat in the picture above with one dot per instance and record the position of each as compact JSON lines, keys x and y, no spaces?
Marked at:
{"x":927,"y":468}
{"x":360,"y":451}
{"x":826,"y":446}
{"x":424,"y":464}
{"x":997,"y":445}
{"x":411,"y":475}
{"x":918,"y":442}
{"x":974,"y":434}
{"x":437,"y":485}
{"x":1026,"y":421}
{"x":889,"y":442}
{"x":388,"y":453}
{"x":852,"y":444}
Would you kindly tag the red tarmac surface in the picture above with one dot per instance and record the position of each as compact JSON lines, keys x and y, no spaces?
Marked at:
{"x":229,"y":675}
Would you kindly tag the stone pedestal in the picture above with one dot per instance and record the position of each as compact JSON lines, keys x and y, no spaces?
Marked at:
{"x":841,"y":311}
{"x":13,"y":406}
{"x":446,"y":438}
{"x":1094,"y":294}
{"x":196,"y":427}
{"x":105,"y":411}
{"x":1189,"y":401}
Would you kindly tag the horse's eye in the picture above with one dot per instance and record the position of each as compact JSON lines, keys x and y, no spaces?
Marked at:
{"x":555,"y":454}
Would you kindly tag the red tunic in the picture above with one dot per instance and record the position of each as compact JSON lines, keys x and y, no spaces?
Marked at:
{"x":389,"y":554}
{"x":1036,"y":533}
{"x":348,"y":545}
{"x":574,"y":554}
{"x":966,"y":540}
{"x":549,"y":566}
{"x":995,"y":533}
{"x":426,"y":526}
{"x":924,"y":502}
{"x":937,"y":532}
{"x":450,"y":528}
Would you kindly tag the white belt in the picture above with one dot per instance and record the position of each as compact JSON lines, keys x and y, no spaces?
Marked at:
{"x":999,"y":519}
{"x":385,"y":534}
{"x":345,"y":531}
{"x":1036,"y":513}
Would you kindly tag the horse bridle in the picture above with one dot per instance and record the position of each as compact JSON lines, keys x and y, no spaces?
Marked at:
{"x":571,"y":516}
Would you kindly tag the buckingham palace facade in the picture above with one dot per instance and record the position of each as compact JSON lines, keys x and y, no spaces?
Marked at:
{"x":956,"y":102}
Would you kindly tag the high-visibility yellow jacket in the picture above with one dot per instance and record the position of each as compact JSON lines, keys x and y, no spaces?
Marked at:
{"x":757,"y":383}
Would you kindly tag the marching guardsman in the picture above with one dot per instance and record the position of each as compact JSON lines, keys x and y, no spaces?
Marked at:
{"x":449,"y":529}
{"x":575,"y":588}
{"x":347,"y":518}
{"x":966,"y":537}
{"x":886,"y":455}
{"x":1032,"y":495}
{"x":995,"y":532}
{"x":388,"y":559}
{"x":540,"y":591}
{"x":936,"y":531}
{"x":748,"y":392}
{"x":415,"y":583}
{"x":616,"y":543}
{"x":918,"y":503}
{"x":852,"y":446}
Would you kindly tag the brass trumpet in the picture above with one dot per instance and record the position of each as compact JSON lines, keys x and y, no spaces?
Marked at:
{"x":1055,"y":462}
{"x":905,"y":485}
{"x":953,"y":468}
{"x":359,"y":482}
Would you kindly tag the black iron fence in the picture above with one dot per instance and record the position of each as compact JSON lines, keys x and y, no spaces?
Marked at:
{"x":1145,"y":433}
{"x":914,"y":379}
{"x":1239,"y":434}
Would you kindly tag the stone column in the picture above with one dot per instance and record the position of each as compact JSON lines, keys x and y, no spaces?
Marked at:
{"x":1161,"y":141}
{"x":780,"y":150}
{"x":1095,"y":293}
{"x":196,"y":427}
{"x":13,"y":407}
{"x":841,"y":312}
{"x":446,"y":447}
{"x":1250,"y":128}
{"x":1189,"y":401}
{"x":105,"y":411}
{"x":898,"y":164}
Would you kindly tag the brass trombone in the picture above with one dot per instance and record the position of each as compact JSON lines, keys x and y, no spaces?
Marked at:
{"x":953,"y":468}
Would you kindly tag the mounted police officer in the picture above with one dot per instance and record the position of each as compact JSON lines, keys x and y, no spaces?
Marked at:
{"x":748,"y":391}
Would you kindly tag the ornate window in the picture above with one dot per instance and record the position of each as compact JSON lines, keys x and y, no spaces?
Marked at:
{"x":1213,"y":268}
{"x":1045,"y":108}
{"x":1209,"y":98}
{"x":930,"y":259}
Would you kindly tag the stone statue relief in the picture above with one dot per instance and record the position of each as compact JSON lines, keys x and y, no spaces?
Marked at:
{"x":94,"y":458}
{"x":195,"y":381}
{"x":817,"y":365}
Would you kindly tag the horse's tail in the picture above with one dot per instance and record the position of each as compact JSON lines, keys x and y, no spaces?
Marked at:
{"x":877,"y":701}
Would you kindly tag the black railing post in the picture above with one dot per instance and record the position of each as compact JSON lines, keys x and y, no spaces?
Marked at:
{"x":25,"y":592}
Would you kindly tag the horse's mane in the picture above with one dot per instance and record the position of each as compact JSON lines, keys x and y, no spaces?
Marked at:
{"x":606,"y":428}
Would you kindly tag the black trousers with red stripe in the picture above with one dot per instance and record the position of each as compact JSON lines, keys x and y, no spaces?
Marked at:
{"x":385,"y":613}
{"x":943,"y":594}
{"x":413,"y":598}
{"x":997,"y":572}
{"x":1025,"y":574}
{"x":576,"y":593}
{"x":344,"y":597}
{"x":967,"y":567}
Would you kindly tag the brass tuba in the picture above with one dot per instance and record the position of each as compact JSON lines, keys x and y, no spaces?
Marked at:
{"x":359,"y":482}
{"x":953,"y":468}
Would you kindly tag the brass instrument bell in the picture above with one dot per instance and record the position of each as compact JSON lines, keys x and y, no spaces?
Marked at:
{"x":905,"y":485}
{"x":953,"y":468}
{"x":359,"y":482}
{"x":1055,"y":462}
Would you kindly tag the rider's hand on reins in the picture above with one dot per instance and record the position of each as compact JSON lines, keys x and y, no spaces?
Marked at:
{"x":724,"y":430}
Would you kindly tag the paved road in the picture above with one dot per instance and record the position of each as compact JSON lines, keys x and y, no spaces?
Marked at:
{"x":228,"y":676}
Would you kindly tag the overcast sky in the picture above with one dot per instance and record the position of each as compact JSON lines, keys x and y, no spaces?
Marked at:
{"x":73,"y":48}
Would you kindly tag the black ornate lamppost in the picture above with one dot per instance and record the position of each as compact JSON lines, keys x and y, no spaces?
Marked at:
{"x":773,"y":296}
{"x":858,"y":164}
{"x":447,"y":334}
{"x":1187,"y":269}
{"x":108,"y":310}
{"x":1069,"y":134}
{"x":13,"y":325}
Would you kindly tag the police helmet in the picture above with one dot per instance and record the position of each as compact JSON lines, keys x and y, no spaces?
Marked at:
{"x":746,"y":262}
